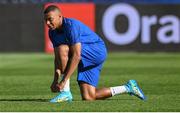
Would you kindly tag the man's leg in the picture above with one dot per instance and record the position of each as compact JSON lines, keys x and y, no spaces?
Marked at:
{"x":88,"y":77}
{"x":63,"y":51}
{"x":89,"y":92}
{"x":65,"y":94}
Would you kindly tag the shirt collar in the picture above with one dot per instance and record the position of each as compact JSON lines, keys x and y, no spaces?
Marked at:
{"x":64,"y":21}
{"x":63,"y":25}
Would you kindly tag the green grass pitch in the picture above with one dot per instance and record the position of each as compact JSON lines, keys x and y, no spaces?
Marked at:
{"x":25,"y":83}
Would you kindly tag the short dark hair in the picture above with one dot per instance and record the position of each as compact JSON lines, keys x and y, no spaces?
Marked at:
{"x":51,"y":8}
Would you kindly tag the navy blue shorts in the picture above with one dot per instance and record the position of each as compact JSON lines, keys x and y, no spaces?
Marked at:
{"x":92,"y":59}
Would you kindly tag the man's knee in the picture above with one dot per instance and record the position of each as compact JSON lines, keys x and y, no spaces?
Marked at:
{"x":64,"y":56}
{"x":88,"y":92}
{"x":63,"y":50}
{"x":89,"y":98}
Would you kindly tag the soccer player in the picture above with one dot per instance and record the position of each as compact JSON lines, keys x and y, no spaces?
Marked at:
{"x":87,"y":52}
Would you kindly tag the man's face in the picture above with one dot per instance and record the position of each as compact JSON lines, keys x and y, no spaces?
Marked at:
{"x":53,"y":19}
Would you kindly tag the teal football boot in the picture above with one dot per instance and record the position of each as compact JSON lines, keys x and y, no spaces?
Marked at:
{"x":62,"y":97}
{"x":133,"y":89}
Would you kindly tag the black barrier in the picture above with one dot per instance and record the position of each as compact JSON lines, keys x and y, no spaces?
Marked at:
{"x":21,"y":28}
{"x":126,"y":27}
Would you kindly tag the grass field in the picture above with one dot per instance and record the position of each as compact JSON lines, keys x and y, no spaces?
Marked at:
{"x":25,"y":80}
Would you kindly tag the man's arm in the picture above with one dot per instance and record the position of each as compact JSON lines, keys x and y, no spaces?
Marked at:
{"x":75,"y":58}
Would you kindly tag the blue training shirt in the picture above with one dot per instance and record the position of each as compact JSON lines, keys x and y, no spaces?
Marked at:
{"x":73,"y":31}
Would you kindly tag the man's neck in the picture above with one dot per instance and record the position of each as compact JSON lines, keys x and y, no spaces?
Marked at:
{"x":60,"y":28}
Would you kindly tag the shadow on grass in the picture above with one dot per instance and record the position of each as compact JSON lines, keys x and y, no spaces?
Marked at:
{"x":35,"y":100}
{"x":30,"y":100}
{"x":47,"y":100}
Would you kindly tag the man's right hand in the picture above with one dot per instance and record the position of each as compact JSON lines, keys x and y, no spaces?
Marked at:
{"x":54,"y":87}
